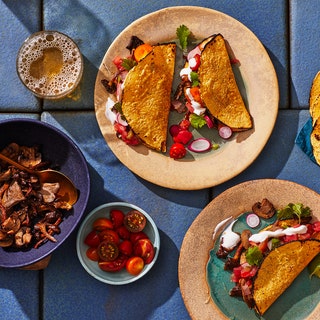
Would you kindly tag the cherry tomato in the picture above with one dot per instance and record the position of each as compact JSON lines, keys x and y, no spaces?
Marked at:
{"x":134,"y":265}
{"x":137,"y":235}
{"x":102,"y":224}
{"x":144,"y":249}
{"x":135,"y":221}
{"x":113,"y":266}
{"x":92,"y":254}
{"x":116,"y":217}
{"x":177,"y":151}
{"x":108,"y":251}
{"x":123,"y":232}
{"x":92,"y":239}
{"x":183,"y":136}
{"x":109,"y":235}
{"x":126,"y":247}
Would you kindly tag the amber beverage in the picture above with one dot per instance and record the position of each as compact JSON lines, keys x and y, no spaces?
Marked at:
{"x":50,"y":64}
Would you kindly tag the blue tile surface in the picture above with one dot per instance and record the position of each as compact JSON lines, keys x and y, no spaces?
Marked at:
{"x":287,"y":29}
{"x":304,"y":51}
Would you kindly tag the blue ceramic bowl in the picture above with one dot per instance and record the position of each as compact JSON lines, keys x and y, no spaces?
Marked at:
{"x":61,"y":151}
{"x":121,"y":277}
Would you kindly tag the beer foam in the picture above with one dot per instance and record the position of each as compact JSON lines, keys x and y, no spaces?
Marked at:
{"x":33,"y":52}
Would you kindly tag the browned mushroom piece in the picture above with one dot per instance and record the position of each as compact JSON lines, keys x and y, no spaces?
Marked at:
{"x":245,"y":235}
{"x":264,"y":209}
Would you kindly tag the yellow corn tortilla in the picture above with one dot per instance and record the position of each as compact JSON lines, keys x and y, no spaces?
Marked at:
{"x":279,"y":269}
{"x":146,"y":96}
{"x":314,"y":103}
{"x":218,"y":88}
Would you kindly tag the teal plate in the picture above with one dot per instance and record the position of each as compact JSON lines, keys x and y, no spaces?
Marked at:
{"x":304,"y":292}
{"x":205,"y":285}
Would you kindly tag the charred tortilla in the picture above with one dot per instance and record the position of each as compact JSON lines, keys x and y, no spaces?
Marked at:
{"x":146,"y":96}
{"x":315,"y":114}
{"x":218,"y":87}
{"x":279,"y":269}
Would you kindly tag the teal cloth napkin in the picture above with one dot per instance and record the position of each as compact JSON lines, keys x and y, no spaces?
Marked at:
{"x":303,"y":140}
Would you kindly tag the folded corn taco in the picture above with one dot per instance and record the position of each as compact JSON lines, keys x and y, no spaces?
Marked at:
{"x":146,"y":97}
{"x":214,"y":87}
{"x":279,"y":269}
{"x":314,"y":103}
{"x":266,"y":263}
{"x":218,"y":87}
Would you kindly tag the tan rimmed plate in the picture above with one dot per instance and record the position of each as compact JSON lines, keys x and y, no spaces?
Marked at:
{"x":259,"y":86}
{"x":197,"y":285}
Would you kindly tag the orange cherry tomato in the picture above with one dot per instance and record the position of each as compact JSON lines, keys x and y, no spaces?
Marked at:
{"x":141,"y":51}
{"x":134,"y":265}
{"x":102,"y":224}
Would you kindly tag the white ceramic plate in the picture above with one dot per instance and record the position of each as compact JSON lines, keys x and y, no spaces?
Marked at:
{"x":256,"y":79}
{"x":205,"y":292}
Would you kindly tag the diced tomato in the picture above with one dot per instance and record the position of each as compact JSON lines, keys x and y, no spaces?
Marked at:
{"x":289,"y":238}
{"x":195,"y":92}
{"x":236,"y":274}
{"x":177,"y":151}
{"x":316,"y":226}
{"x":304,"y":236}
{"x":263,"y":246}
{"x":183,"y":136}
{"x":118,"y":63}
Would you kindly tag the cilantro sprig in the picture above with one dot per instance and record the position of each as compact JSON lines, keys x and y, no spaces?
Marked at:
{"x":183,"y":34}
{"x":294,"y":210}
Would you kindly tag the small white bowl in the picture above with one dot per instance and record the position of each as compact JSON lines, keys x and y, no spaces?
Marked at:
{"x":122,"y":276}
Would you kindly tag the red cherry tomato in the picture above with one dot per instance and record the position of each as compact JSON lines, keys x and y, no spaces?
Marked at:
{"x":109,"y":235}
{"x":123,"y":232}
{"x":116,"y":217}
{"x":108,"y":251}
{"x":144,"y":249}
{"x":102,"y":224}
{"x":177,"y":151}
{"x":126,"y":247}
{"x":135,"y":221}
{"x":134,"y":265}
{"x":113,"y":266}
{"x":92,"y":239}
{"x":138,"y":235}
{"x":92,"y":254}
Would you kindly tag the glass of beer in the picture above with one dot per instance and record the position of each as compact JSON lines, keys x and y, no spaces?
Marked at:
{"x":50,"y":64}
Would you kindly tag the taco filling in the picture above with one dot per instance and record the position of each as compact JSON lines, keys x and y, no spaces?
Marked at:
{"x":264,"y":264}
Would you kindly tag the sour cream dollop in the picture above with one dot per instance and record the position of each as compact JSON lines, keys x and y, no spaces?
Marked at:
{"x":229,"y":239}
{"x":263,"y":235}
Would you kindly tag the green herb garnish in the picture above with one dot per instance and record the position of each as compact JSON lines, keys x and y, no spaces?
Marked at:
{"x":197,"y":121}
{"x":254,"y":256}
{"x":128,"y":64}
{"x":183,"y":34}
{"x":194,"y":78}
{"x":294,"y":210}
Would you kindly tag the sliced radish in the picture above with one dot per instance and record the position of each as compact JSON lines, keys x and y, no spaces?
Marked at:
{"x":200,"y":145}
{"x":121,"y":120}
{"x":252,"y":220}
{"x":193,"y":52}
{"x":209,"y":122}
{"x":225,"y":132}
